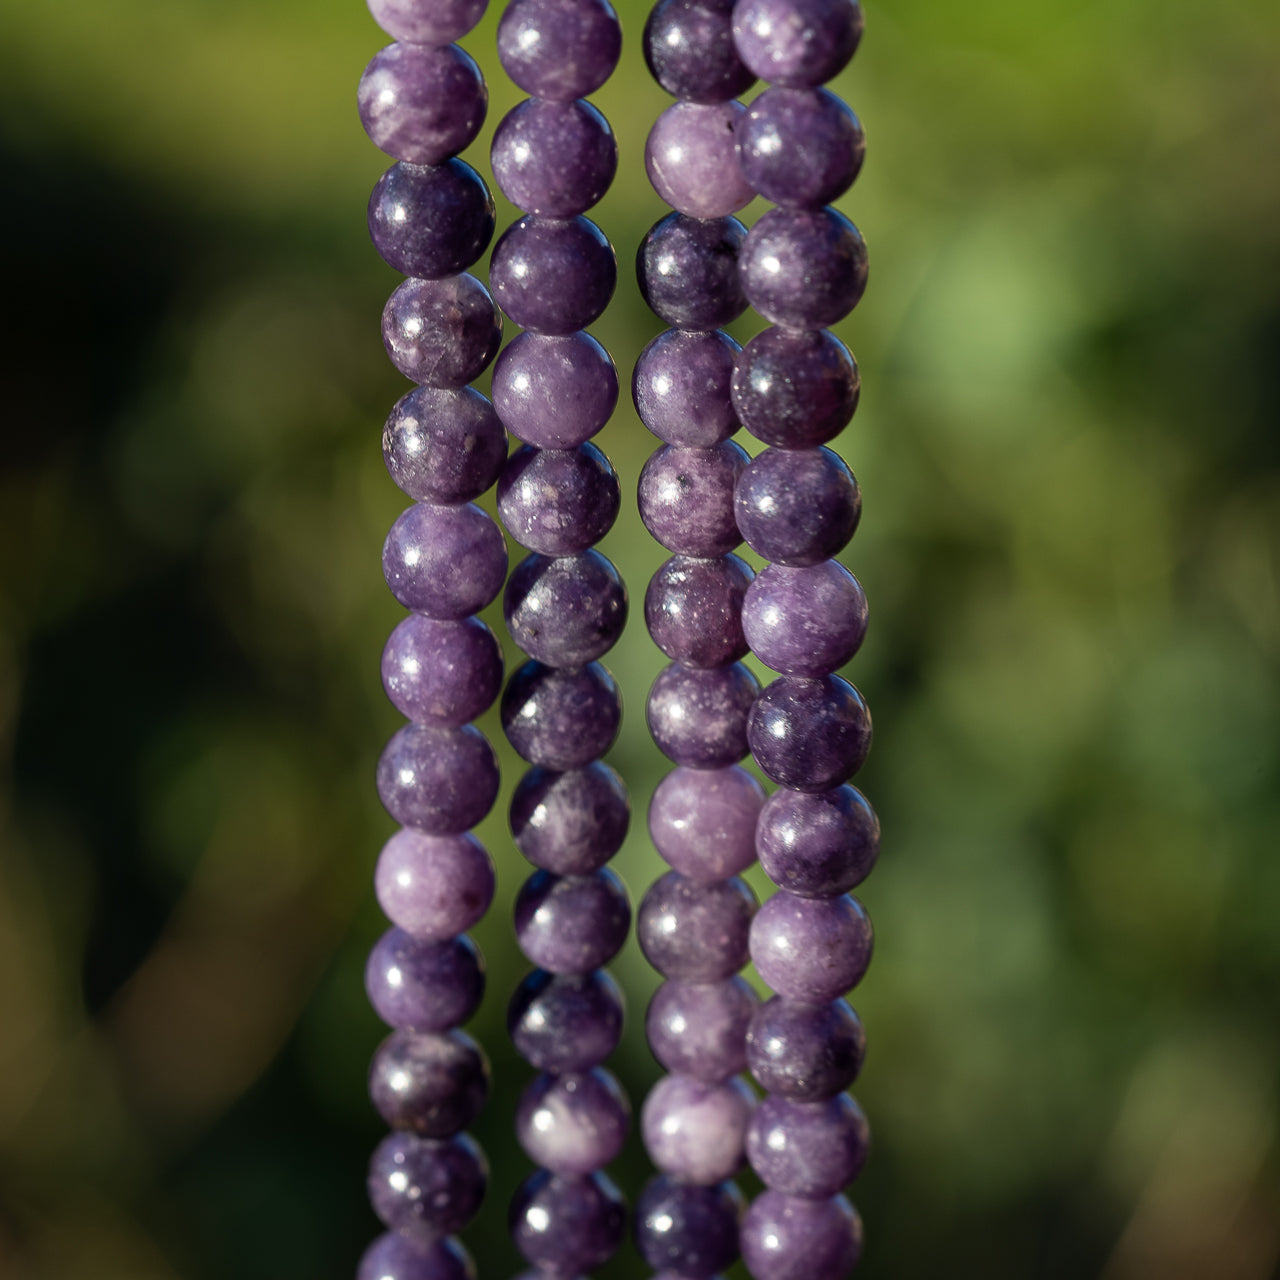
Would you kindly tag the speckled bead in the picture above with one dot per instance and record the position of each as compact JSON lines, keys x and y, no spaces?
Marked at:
{"x":696,"y":932}
{"x":561,"y":718}
{"x":567,"y":1224}
{"x":432,"y":1083}
{"x":439,"y":23}
{"x":574,"y":1123}
{"x":572,"y":924}
{"x":805,"y":622}
{"x":558,"y":501}
{"x":689,"y":1230}
{"x":446,"y":562}
{"x":810,"y":734}
{"x":698,"y":717}
{"x":433,"y":886}
{"x":565,"y":1023}
{"x":703,"y":821}
{"x":687,"y":269}
{"x":396,"y":1257}
{"x":559,"y":49}
{"x":680,"y":387}
{"x":565,"y":611}
{"x":439,"y":781}
{"x":818,"y":845}
{"x":787,"y":1238}
{"x":698,"y":1029}
{"x":693,"y":609}
{"x":424,"y":986}
{"x":685,"y":497}
{"x":689,"y":49}
{"x":695,"y":1131}
{"x":811,"y":950}
{"x":692,"y":159}
{"x":570,"y":823}
{"x":441,"y":673}
{"x":425,"y":1187}
{"x":805,"y":1052}
{"x":797,"y":43}
{"x":809,"y":1149}
{"x":555,"y":159}
{"x":444,"y":445}
{"x":441,"y":333}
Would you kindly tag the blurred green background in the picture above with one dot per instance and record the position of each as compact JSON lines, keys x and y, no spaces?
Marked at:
{"x":1068,"y":451}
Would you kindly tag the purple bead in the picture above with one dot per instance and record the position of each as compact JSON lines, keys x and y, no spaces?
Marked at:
{"x":424,"y":1187}
{"x":433,"y":886}
{"x":797,"y":43}
{"x":433,"y":1084}
{"x":555,"y":159}
{"x":561,"y":719}
{"x":440,"y":22}
{"x":688,"y":46}
{"x":693,"y":609}
{"x":686,"y":498}
{"x":424,"y":986}
{"x":699,"y":1028}
{"x":439,"y":781}
{"x":703,"y":821}
{"x":681,"y":387}
{"x":786,"y":1238}
{"x":422,"y":104}
{"x":805,"y":268}
{"x":698,"y":717}
{"x":696,"y":932}
{"x":565,"y":611}
{"x":565,"y":1023}
{"x":811,"y":950}
{"x":441,"y":673}
{"x":694,"y":1131}
{"x":691,"y":1231}
{"x":559,"y":49}
{"x":441,"y":333}
{"x":803,"y":1051}
{"x":396,"y":1257}
{"x":567,"y":1224}
{"x":797,"y":506}
{"x":558,"y":501}
{"x":446,"y":562}
{"x":809,"y":733}
{"x":430,"y":221}
{"x":805,"y":622}
{"x":554,"y":392}
{"x":444,"y":445}
{"x":691,"y":156}
{"x":553,"y":275}
{"x":572,"y":924}
{"x":573,"y":1123}
{"x":687,"y":269}
{"x":809,"y":1149}
{"x":570,"y":823}
{"x":818,"y":845}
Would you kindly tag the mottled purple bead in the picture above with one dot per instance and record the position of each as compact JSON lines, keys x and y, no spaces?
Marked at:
{"x":567,"y":1224}
{"x":573,"y":1123}
{"x":446,"y":562}
{"x":809,"y":1149}
{"x":565,"y":611}
{"x":561,"y":719}
{"x":690,"y":1231}
{"x":425,"y":1187}
{"x":818,"y":845}
{"x":433,"y":886}
{"x":805,"y":622}
{"x":811,"y":949}
{"x":444,"y":445}
{"x":424,"y":986}
{"x":696,"y":1131}
{"x":803,"y":1051}
{"x":696,"y":932}
{"x":699,"y":1028}
{"x":685,"y":498}
{"x":441,"y":333}
{"x":797,"y":506}
{"x":786,"y":1238}
{"x":422,"y":104}
{"x":698,"y":717}
{"x":559,"y":49}
{"x":797,"y":43}
{"x":439,"y":22}
{"x":554,"y":392}
{"x":570,"y":823}
{"x":558,"y":501}
{"x":691,"y":157}
{"x":688,"y":46}
{"x":396,"y":1257}
{"x":440,"y":781}
{"x":809,"y":733}
{"x":681,"y":387}
{"x":555,"y":159}
{"x":572,"y":924}
{"x":703,"y":821}
{"x":687,"y":269}
{"x":441,"y":673}
{"x":564,"y":1023}
{"x":435,"y":1084}
{"x":430,"y":220}
{"x":693,"y":609}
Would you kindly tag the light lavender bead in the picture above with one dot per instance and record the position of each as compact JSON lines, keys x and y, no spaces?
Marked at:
{"x":811,"y":949}
{"x":703,"y":821}
{"x":695,"y":1131}
{"x":574,"y":1123}
{"x":692,"y":159}
{"x":433,"y":886}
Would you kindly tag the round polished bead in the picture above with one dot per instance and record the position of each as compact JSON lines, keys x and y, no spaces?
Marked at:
{"x":565,"y":611}
{"x":440,"y":22}
{"x":435,"y":1084}
{"x":691,"y":157}
{"x":699,"y":1028}
{"x":441,"y":673}
{"x":693,"y":609}
{"x":688,"y":46}
{"x":703,"y":821}
{"x":805,"y":622}
{"x":558,"y":501}
{"x":811,"y":949}
{"x":441,"y":333}
{"x":555,"y":159}
{"x":446,"y":562}
{"x":554,"y":392}
{"x":797,"y":43}
{"x":698,"y":717}
{"x":424,"y":986}
{"x":559,"y":49}
{"x":809,"y":1149}
{"x":805,"y":268}
{"x":561,"y":719}
{"x":818,"y":845}
{"x":433,"y":886}
{"x":687,"y":269}
{"x":440,"y":781}
{"x":690,"y":1231}
{"x":564,"y":1023}
{"x":695,"y":1131}
{"x":572,"y":924}
{"x":396,"y":1257}
{"x":553,"y":275}
{"x":426,"y":1187}
{"x":570,"y":823}
{"x":809,"y":733}
{"x":686,"y":498}
{"x":573,"y":1123}
{"x":786,"y":1238}
{"x":803,"y":1051}
{"x":696,"y":932}
{"x":567,"y":1224}
{"x":430,"y":220}
{"x":444,"y":445}
{"x":681,"y":387}
{"x":797,"y":506}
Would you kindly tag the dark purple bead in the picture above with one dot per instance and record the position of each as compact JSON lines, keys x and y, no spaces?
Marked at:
{"x":694,"y":1131}
{"x":396,"y":1257}
{"x":431,"y":1083}
{"x":698,"y":717}
{"x":441,"y":673}
{"x":554,"y":392}
{"x":786,"y":1238}
{"x":568,"y":1022}
{"x":561,"y":719}
{"x":440,"y":781}
{"x":441,"y":333}
{"x":797,"y":43}
{"x":433,"y":886}
{"x":693,"y":609}
{"x":818,"y":845}
{"x":572,"y":924}
{"x":686,"y":498}
{"x":440,"y":22}
{"x":809,"y":733}
{"x":446,"y":562}
{"x":570,"y":823}
{"x":422,"y":104}
{"x":687,"y":269}
{"x":559,"y":49}
{"x":691,"y":156}
{"x":690,"y":1231}
{"x":811,"y":950}
{"x":681,"y":387}
{"x":688,"y":46}
{"x":805,"y":622}
{"x":424,"y":1187}
{"x":573,"y":1123}
{"x":567,"y":1224}
{"x":555,"y":159}
{"x":696,"y":932}
{"x":444,"y":445}
{"x":699,"y":1028}
{"x":703,"y":821}
{"x":424,"y":986}
{"x":809,"y":1149}
{"x":553,"y":275}
{"x":797,"y":506}
{"x":803,"y":1051}
{"x":565,"y":611}
{"x":805,"y":268}
{"x":430,"y":221}
{"x":558,"y":501}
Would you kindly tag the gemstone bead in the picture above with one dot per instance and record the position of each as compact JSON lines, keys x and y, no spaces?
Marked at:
{"x":691,"y":1231}
{"x":555,"y":159}
{"x":435,"y":1084}
{"x":803,"y":1051}
{"x":809,"y":1149}
{"x":440,"y":22}
{"x":811,"y":949}
{"x":572,"y":924}
{"x":559,"y":49}
{"x":698,"y":1029}
{"x":695,"y":1132}
{"x":686,"y":498}
{"x":696,"y":932}
{"x":558,"y":501}
{"x":797,"y":43}
{"x":698,"y":717}
{"x":693,"y":609}
{"x":444,"y":445}
{"x":688,"y":46}
{"x":692,"y":159}
{"x":809,"y":733}
{"x":687,"y":269}
{"x":446,"y":562}
{"x":441,"y":673}
{"x":573,"y":1123}
{"x":426,"y":1187}
{"x":818,"y":845}
{"x":570,"y":823}
{"x":797,"y":506}
{"x":564,"y":1023}
{"x":787,"y":1238}
{"x":565,"y":611}
{"x":805,"y":622}
{"x":396,"y":1257}
{"x":424,"y":986}
{"x":567,"y":1224}
{"x":440,"y":781}
{"x":442,"y":333}
{"x":433,"y":886}
{"x":703,"y":821}
{"x":681,"y":387}
{"x":561,"y":719}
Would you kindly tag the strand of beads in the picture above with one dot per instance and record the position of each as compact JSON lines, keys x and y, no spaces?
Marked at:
{"x":422,"y":100}
{"x":554,"y":387}
{"x":795,"y":387}
{"x":693,"y":923}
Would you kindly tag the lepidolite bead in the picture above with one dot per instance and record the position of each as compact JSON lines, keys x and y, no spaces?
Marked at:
{"x":441,"y":673}
{"x":572,"y":924}
{"x":692,"y":159}
{"x":786,"y":1238}
{"x":818,"y":845}
{"x":441,"y":781}
{"x":561,"y":718}
{"x":444,"y":445}
{"x":396,"y":1257}
{"x":797,"y":43}
{"x":433,"y":886}
{"x":698,"y":717}
{"x":426,"y":1187}
{"x":688,"y":46}
{"x":810,"y":1149}
{"x":567,"y":1224}
{"x":564,"y":1023}
{"x":811,"y":949}
{"x":424,"y":986}
{"x":691,"y":1231}
{"x":573,"y":1123}
{"x":698,"y":1029}
{"x":555,"y":159}
{"x":687,"y":269}
{"x":570,"y":823}
{"x":808,"y":733}
{"x":435,"y":1084}
{"x":558,"y":501}
{"x":681,"y":387}
{"x":685,"y":498}
{"x":441,"y":333}
{"x":693,"y":609}
{"x":696,"y":932}
{"x":565,"y":611}
{"x":559,"y":49}
{"x":703,"y":821}
{"x":695,"y":1131}
{"x":805,"y":622}
{"x":430,"y":221}
{"x":805,"y":1052}
{"x":440,"y":22}
{"x":554,"y":392}
{"x":446,"y":562}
